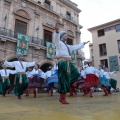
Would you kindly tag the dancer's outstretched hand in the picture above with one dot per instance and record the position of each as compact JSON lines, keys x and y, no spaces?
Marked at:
{"x":86,"y":42}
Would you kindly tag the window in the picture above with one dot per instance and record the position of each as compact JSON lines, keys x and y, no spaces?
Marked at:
{"x":68,"y":15}
{"x":102,"y":49}
{"x":118,"y":45}
{"x":69,"y":41}
{"x":117,"y":28}
{"x":101,"y":33}
{"x":20,"y":27}
{"x":47,"y":2}
{"x":109,"y":28}
{"x":47,"y":35}
{"x":104,"y":62}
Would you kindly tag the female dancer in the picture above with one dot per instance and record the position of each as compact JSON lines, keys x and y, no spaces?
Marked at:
{"x":34,"y":77}
{"x":91,"y":79}
{"x":103,"y":80}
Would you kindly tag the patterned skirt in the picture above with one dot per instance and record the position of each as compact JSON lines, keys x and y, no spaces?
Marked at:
{"x":104,"y":81}
{"x":80,"y":82}
{"x":51,"y":82}
{"x":34,"y":82}
{"x":91,"y":81}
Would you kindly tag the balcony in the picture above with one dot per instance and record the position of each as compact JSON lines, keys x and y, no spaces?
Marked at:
{"x":48,"y":6}
{"x":69,"y":17}
{"x":12,"y":34}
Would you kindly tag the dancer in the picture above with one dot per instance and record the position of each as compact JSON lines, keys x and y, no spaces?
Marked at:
{"x":79,"y":83}
{"x":91,"y":79}
{"x":67,"y":73}
{"x":5,"y":85}
{"x":112,"y":82}
{"x":103,"y":80}
{"x":21,"y":81}
{"x":34,"y":77}
{"x":52,"y":82}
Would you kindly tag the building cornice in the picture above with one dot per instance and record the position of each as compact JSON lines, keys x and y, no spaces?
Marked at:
{"x":51,"y":11}
{"x":71,"y":5}
{"x":103,"y":25}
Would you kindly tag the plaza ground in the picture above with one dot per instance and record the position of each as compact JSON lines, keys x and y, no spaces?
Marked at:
{"x":45,"y":107}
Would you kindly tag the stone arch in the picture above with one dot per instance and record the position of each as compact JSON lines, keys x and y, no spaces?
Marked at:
{"x":22,"y":13}
{"x":44,"y":66}
{"x":15,"y":58}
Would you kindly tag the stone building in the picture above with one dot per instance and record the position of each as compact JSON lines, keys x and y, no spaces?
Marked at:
{"x":105,"y":48}
{"x":36,"y":19}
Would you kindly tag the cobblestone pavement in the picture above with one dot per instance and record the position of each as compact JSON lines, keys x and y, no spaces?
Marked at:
{"x":45,"y":107}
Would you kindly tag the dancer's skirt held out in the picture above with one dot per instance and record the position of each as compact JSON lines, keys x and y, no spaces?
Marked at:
{"x":51,"y":82}
{"x":91,"y":81}
{"x":104,"y":81}
{"x":34,"y":82}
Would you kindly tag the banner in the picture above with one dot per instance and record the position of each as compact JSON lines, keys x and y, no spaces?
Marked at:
{"x":50,"y":53}
{"x":73,"y":56}
{"x":113,"y":63}
{"x":22,"y":44}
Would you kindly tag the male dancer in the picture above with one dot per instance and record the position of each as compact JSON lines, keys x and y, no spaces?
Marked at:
{"x":5,"y":79}
{"x":67,"y":73}
{"x":21,"y":81}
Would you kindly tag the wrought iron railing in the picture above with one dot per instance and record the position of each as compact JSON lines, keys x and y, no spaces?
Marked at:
{"x":10,"y":33}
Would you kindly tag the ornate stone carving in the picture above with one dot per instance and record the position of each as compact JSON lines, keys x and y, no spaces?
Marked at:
{"x":22,"y":13}
{"x":23,"y":4}
{"x":8,"y":2}
{"x":48,"y":24}
{"x":37,"y":12}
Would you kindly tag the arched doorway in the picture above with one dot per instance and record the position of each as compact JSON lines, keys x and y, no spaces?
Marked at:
{"x":45,"y":66}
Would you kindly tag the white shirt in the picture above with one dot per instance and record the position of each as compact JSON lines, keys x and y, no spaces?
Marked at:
{"x":97,"y":73}
{"x":101,"y":71}
{"x":82,"y":73}
{"x":48,"y":74}
{"x":18,"y":66}
{"x":108,"y":74}
{"x":90,"y":70}
{"x":55,"y":67}
{"x":34,"y":72}
{"x":61,"y":48}
{"x":3,"y":74}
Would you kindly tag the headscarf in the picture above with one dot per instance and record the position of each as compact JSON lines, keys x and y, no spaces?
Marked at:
{"x":89,"y":63}
{"x":19,"y":55}
{"x":62,"y":33}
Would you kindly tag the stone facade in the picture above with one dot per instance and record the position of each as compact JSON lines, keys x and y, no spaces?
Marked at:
{"x":39,"y":16}
{"x":107,"y":35}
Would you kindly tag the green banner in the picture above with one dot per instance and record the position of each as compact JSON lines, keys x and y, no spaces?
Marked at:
{"x":22,"y":44}
{"x":73,"y":56}
{"x":50,"y":53}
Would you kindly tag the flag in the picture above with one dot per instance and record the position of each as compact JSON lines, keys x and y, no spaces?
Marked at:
{"x":22,"y":44}
{"x":50,"y":53}
{"x":73,"y":56}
